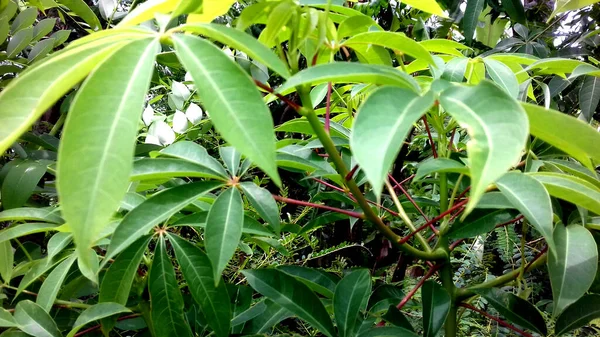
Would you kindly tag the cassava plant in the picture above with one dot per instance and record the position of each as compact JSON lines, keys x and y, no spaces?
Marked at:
{"x":143,"y":214}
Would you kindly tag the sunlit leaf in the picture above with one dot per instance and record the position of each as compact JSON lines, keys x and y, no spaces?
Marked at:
{"x":570,"y":188}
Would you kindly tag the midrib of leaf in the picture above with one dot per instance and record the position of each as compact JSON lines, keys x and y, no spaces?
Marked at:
{"x":347,"y":315}
{"x":565,"y":265}
{"x":227,"y":225}
{"x":271,"y":321}
{"x":491,"y":69}
{"x":165,"y":285}
{"x":120,"y":112}
{"x":36,"y":323}
{"x":225,"y":102}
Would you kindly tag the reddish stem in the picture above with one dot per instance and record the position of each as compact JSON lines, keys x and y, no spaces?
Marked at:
{"x":509,"y":222}
{"x":412,"y":201}
{"x":351,"y":173}
{"x":313,"y":205}
{"x":407,"y":179}
{"x":494,"y":318}
{"x":462,"y":194}
{"x":328,"y":107}
{"x":96,"y":327}
{"x":451,"y":144}
{"x":432,"y":221}
{"x":455,"y":243}
{"x":430,"y":138}
{"x":281,"y":97}
{"x":322,"y":182}
{"x":542,"y":252}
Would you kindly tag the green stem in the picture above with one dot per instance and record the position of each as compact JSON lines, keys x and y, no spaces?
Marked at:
{"x":342,"y":170}
{"x":59,"y":123}
{"x":443,"y":192}
{"x":405,"y":217}
{"x":446,"y":274}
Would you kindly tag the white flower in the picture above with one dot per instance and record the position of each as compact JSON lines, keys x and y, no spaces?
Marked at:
{"x":147,"y":115}
{"x":180,"y":123}
{"x":160,"y":133}
{"x":180,"y":90}
{"x":194,"y":113}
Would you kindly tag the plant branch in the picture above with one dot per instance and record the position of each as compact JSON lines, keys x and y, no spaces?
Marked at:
{"x":412,"y":201}
{"x":278,"y":95}
{"x":498,"y":320}
{"x":430,"y":138}
{"x":313,"y":205}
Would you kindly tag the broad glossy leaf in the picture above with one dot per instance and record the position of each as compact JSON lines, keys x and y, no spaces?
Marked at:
{"x":570,"y":135}
{"x":165,"y":296}
{"x":350,"y":299}
{"x":572,"y":189}
{"x":7,"y":257}
{"x":455,"y":69}
{"x":223,"y":229}
{"x":397,"y":318}
{"x":344,"y":72}
{"x":530,"y":197}
{"x":249,"y":313}
{"x":235,"y":105}
{"x":436,"y":305}
{"x":382,"y":124}
{"x":575,"y":169}
{"x":292,"y":295}
{"x":442,"y":165}
{"x":263,"y":202}
{"x":498,"y":128}
{"x":198,"y":273}
{"x":82,"y":10}
{"x":20,"y":182}
{"x":53,"y":283}
{"x":471,"y":18}
{"x":578,"y":314}
{"x":32,"y":319}
{"x":395,"y":41}
{"x":354,"y":25}
{"x":19,"y":230}
{"x":388,"y":331}
{"x":429,"y":6}
{"x":477,"y":225}
{"x":194,"y":153}
{"x":18,"y":42}
{"x":241,"y":41}
{"x":6,"y":319}
{"x":95,"y":313}
{"x":589,"y":96}
{"x":98,"y":140}
{"x":503,"y":76}
{"x":154,"y":211}
{"x":515,"y":309}
{"x":118,"y":279}
{"x":573,"y":269}
{"x":166,"y":168}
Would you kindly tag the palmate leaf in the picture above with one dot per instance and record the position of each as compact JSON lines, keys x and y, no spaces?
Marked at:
{"x":236,"y":106}
{"x":498,"y":128}
{"x":95,"y":153}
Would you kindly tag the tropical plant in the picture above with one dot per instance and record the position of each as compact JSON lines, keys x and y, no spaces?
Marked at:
{"x":165,"y":179}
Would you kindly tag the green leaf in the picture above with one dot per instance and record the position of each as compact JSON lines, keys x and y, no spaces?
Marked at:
{"x":263,"y":202}
{"x":6,"y":319}
{"x":276,"y":22}
{"x":53,"y":283}
{"x":32,"y":319}
{"x":350,"y":300}
{"x":60,"y":37}
{"x":40,"y":50}
{"x":531,"y":198}
{"x":560,"y":130}
{"x":235,"y":105}
{"x":429,"y":6}
{"x":397,"y":318}
{"x":194,"y":153}
{"x":436,"y":305}
{"x":345,"y":72}
{"x":7,"y":257}
{"x":30,"y":213}
{"x":573,"y":269}
{"x":570,"y":5}
{"x":442,"y":165}
{"x":477,"y":225}
{"x":82,"y":10}
{"x":251,"y":226}
{"x":388,"y":331}
{"x":19,"y":230}
{"x":395,"y":41}
{"x":270,"y":316}
{"x":292,"y":295}
{"x":515,"y":10}
{"x":383,"y":122}
{"x":455,"y":69}
{"x":241,"y":41}
{"x":223,"y":229}
{"x":471,"y":18}
{"x":198,"y":273}
{"x":43,"y":28}
{"x":20,"y":182}
{"x":165,"y":296}
{"x":95,"y":313}
{"x":154,"y":211}
{"x":98,"y":140}
{"x":495,"y":144}
{"x":578,"y":314}
{"x":18,"y":42}
{"x":589,"y":96}
{"x":503,"y":76}
{"x":444,"y":46}
{"x":166,"y":168}
{"x":319,"y":281}
{"x":231,"y":158}
{"x":25,"y":19}
{"x":117,"y":281}
{"x":572,"y":189}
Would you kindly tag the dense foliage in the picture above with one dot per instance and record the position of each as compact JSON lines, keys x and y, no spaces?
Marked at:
{"x":311,"y":167}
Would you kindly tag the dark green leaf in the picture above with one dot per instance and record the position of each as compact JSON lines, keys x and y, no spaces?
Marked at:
{"x":25,"y":229}
{"x":270,"y":316}
{"x":316,"y":279}
{"x":6,"y":319}
{"x":32,"y":319}
{"x":436,"y":305}
{"x":7,"y":257}
{"x":25,"y":19}
{"x":263,"y":202}
{"x":515,"y":10}
{"x":578,"y":314}
{"x":570,"y":188}
{"x":441,"y":165}
{"x":350,"y":299}
{"x":477,"y":225}
{"x":35,"y":214}
{"x":80,"y":8}
{"x":388,"y":331}
{"x":43,"y":27}
{"x":165,"y":168}
{"x":18,"y":42}
{"x":471,"y":18}
{"x":20,"y":182}
{"x":589,"y":96}
{"x":397,"y":318}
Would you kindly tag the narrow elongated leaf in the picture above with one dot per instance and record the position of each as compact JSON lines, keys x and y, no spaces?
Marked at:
{"x":235,"y":105}
{"x":31,"y":213}
{"x":25,"y":19}
{"x":82,"y":10}
{"x":166,"y":299}
{"x":276,"y":22}
{"x":43,"y":28}
{"x":442,"y":165}
{"x":498,"y":128}
{"x":572,"y":189}
{"x":25,"y":229}
{"x":263,"y":202}
{"x":436,"y":305}
{"x":165,"y":168}
{"x":345,"y":72}
{"x":559,"y":130}
{"x":473,"y":226}
{"x":388,"y":331}
{"x":578,"y":314}
{"x":20,"y":182}
{"x":471,"y":18}
{"x":7,"y":260}
{"x":269,"y":317}
{"x":530,"y":197}
{"x":98,"y":141}
{"x":241,"y":41}
{"x":18,"y":42}
{"x":570,"y":5}
{"x":382,"y":124}
{"x":231,"y":158}
{"x":515,"y":309}
{"x":317,"y":280}
{"x":152,"y":212}
{"x":395,"y":41}
{"x":194,"y":153}
{"x":118,"y":279}
{"x":293,"y":295}
{"x":95,"y":313}
{"x":429,"y":6}
{"x":198,"y":273}
{"x":515,"y":10}
{"x":223,"y":229}
{"x":250,"y":226}
{"x":6,"y":319}
{"x":53,"y":283}
{"x":573,"y":269}
{"x":249,"y":313}
{"x":32,"y":319}
{"x":40,"y":50}
{"x":503,"y":76}
{"x":589,"y":96}
{"x":350,"y":299}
